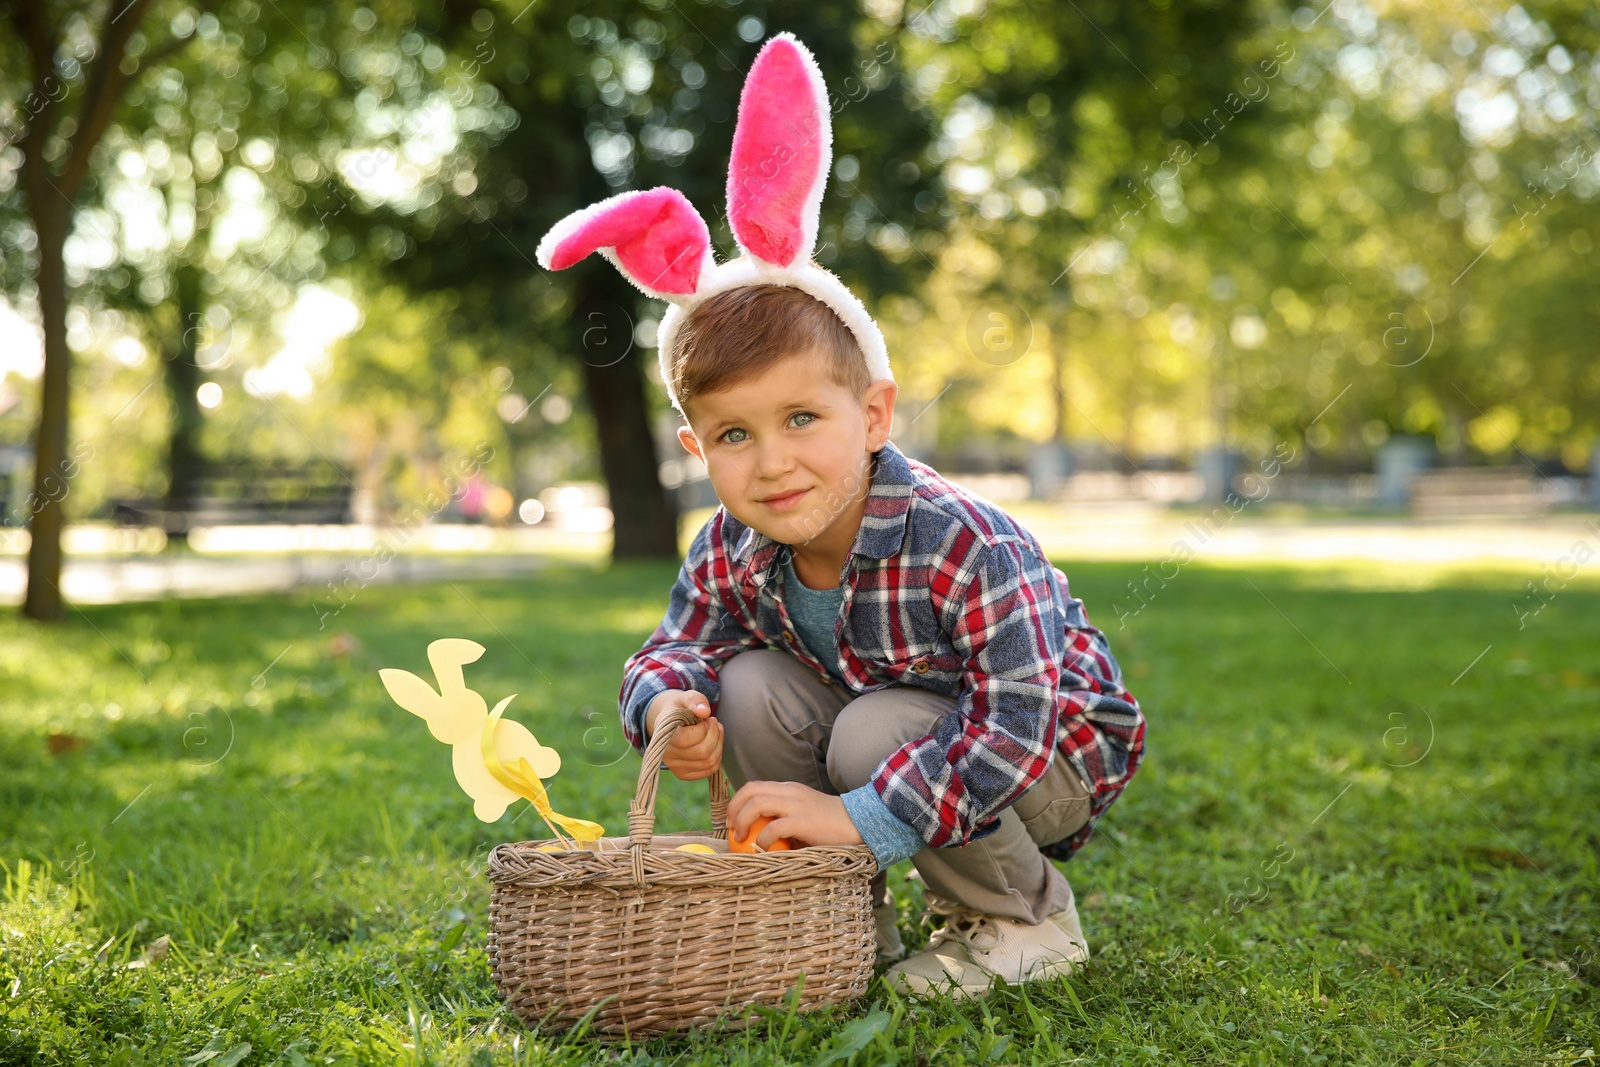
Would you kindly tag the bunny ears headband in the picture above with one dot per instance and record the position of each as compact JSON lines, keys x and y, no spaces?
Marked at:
{"x":782,"y":152}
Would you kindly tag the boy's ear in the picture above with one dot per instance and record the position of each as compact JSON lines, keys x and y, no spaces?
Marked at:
{"x":878,"y":407}
{"x":686,"y":435}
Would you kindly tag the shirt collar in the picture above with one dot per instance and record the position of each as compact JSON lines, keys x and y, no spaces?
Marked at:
{"x":883,"y":522}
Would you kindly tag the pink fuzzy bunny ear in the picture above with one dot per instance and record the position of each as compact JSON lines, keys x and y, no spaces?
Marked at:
{"x":782,"y":150}
{"x":654,"y":237}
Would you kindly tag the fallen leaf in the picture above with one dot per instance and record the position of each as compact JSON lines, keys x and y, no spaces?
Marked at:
{"x":154,"y":951}
{"x":1503,"y":855}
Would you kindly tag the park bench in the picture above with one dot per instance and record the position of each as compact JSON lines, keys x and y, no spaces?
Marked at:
{"x":233,"y":494}
{"x":1477,"y":491}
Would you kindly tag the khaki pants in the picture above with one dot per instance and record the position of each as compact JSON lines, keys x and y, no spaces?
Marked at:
{"x":782,"y":722}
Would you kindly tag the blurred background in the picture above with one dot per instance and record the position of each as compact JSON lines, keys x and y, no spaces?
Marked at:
{"x":270,"y":310}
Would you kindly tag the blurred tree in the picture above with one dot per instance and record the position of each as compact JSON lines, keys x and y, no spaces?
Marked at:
{"x":1424,"y":203}
{"x":603,"y":97}
{"x":81,"y":62}
{"x":188,"y":187}
{"x":190,"y":148}
{"x":397,"y":380}
{"x":1063,"y":129}
{"x":1346,"y":237}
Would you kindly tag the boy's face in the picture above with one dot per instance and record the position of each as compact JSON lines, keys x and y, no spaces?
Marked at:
{"x":789,"y":451}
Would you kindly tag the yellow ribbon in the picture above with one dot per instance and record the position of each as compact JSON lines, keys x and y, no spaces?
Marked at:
{"x":522,"y":780}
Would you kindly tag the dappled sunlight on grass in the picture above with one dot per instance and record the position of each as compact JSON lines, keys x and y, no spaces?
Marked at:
{"x":1362,"y":574}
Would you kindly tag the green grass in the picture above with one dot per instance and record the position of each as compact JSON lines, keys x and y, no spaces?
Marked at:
{"x":1342,"y":849}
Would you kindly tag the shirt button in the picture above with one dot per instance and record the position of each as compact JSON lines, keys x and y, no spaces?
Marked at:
{"x":788,"y":635}
{"x":921,"y":666}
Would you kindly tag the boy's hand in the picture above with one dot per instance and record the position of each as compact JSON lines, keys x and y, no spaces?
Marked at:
{"x":695,"y":751}
{"x":799,"y":813}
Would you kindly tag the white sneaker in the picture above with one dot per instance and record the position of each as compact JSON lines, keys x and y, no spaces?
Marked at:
{"x":971,"y":950}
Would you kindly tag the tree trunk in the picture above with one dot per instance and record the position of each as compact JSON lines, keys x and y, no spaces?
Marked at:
{"x":182,"y":374}
{"x":51,"y":468}
{"x":52,"y":198}
{"x":645,"y":519}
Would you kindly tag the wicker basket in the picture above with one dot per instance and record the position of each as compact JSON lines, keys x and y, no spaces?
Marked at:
{"x":659,"y":940}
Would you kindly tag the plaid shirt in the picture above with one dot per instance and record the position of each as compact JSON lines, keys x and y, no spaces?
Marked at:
{"x":945,"y":591}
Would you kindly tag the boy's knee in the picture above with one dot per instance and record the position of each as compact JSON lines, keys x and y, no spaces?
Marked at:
{"x":850,"y":765}
{"x":875,"y":724}
{"x":742,"y":678}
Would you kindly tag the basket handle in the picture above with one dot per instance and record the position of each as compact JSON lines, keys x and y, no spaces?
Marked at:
{"x":642,"y":816}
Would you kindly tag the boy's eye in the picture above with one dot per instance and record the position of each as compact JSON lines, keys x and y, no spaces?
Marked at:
{"x":808,"y":416}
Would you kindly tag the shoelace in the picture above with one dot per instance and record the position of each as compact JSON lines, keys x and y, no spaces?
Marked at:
{"x":971,"y":928}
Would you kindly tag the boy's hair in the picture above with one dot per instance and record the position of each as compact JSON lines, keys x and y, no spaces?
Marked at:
{"x":735,"y":335}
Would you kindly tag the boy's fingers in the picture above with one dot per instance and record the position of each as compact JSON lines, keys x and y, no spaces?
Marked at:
{"x":688,"y":736}
{"x":775,"y":829}
{"x":695,"y":702}
{"x":710,"y":741}
{"x":751,"y":809}
{"x":697,"y":759}
{"x":691,"y":770}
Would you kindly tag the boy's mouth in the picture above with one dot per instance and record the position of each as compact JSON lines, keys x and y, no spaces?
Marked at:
{"x":784,"y":503}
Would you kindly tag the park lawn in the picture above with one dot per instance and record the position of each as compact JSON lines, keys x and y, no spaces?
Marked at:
{"x":1366,"y":831}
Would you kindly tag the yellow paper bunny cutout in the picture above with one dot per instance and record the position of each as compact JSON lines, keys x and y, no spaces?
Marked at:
{"x":496,"y":760}
{"x":523,"y":780}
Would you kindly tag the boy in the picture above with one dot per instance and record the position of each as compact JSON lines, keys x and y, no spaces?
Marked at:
{"x":878,"y":656}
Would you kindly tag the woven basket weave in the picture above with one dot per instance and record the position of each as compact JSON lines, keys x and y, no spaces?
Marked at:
{"x":659,"y":940}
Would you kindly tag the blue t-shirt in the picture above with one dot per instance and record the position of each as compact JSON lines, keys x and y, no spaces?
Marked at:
{"x":813,"y":612}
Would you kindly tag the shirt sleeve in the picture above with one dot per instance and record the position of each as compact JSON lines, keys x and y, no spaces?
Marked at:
{"x":1102,"y":724}
{"x":1003,"y":615}
{"x":890,"y":839}
{"x":696,"y":635}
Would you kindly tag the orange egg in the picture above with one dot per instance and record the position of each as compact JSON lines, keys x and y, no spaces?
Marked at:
{"x":748,"y":844}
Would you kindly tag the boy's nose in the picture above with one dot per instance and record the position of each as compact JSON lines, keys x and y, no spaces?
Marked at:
{"x":773,"y":462}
